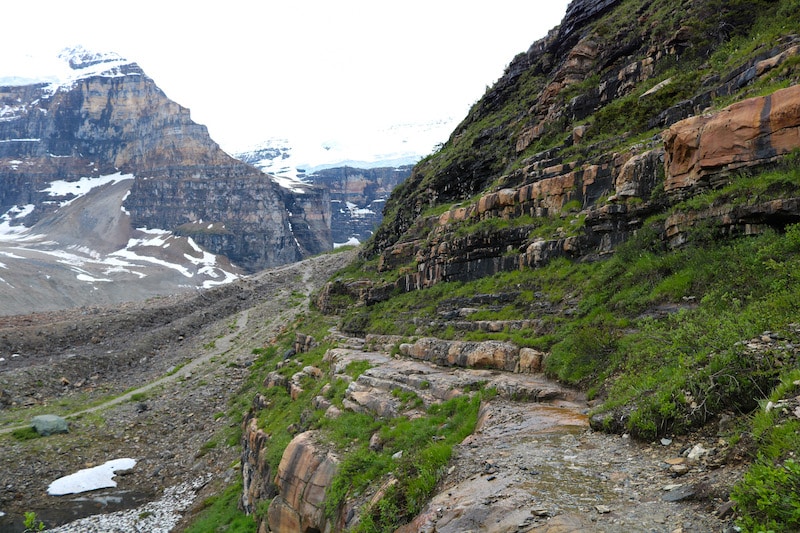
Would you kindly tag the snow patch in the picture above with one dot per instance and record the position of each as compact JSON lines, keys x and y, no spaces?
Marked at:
{"x":358,"y":212}
{"x":90,"y":279}
{"x":98,"y":477}
{"x":352,"y":241}
{"x":159,"y":516}
{"x":122,"y":203}
{"x":82,"y":186}
{"x":133,"y":256}
{"x":194,"y":245}
{"x":12,"y":233}
{"x":294,"y":184}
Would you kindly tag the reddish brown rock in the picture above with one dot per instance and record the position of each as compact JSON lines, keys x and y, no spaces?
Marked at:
{"x":530,"y":361}
{"x":304,"y":474}
{"x":256,"y":473}
{"x":747,"y":133}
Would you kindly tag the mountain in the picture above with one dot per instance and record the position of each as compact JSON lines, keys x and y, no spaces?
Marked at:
{"x":395,"y":146}
{"x":359,"y":173}
{"x":95,"y":160}
{"x":620,"y":211}
{"x":358,"y":194}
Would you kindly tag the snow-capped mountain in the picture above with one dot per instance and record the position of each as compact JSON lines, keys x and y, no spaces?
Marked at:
{"x":297,"y":158}
{"x":358,"y":171}
{"x":109,"y":192}
{"x":69,"y":66}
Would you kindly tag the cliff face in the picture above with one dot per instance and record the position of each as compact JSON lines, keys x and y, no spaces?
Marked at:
{"x":603,"y":123}
{"x":358,"y":197}
{"x":112,"y":118}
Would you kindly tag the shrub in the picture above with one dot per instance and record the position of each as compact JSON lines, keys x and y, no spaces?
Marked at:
{"x":768,"y":497}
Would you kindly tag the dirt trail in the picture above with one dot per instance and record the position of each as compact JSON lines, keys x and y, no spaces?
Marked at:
{"x":160,"y":373}
{"x":533,"y":467}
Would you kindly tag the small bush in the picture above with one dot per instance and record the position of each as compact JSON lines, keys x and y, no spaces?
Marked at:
{"x":768,"y":497}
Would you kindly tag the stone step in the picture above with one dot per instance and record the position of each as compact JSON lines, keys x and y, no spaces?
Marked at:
{"x":404,"y":385}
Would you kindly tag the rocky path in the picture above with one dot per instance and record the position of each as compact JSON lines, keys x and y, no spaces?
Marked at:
{"x":537,"y":467}
{"x":533,"y":463}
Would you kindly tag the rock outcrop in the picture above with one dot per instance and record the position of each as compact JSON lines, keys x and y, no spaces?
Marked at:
{"x":305,"y":472}
{"x":110,"y":117}
{"x":748,"y":133}
{"x":598,"y":204}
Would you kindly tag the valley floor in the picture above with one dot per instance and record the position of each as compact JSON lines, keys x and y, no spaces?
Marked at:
{"x":147,"y":381}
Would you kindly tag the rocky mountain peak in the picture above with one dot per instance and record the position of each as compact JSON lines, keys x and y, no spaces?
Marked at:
{"x":89,"y":116}
{"x":80,"y":58}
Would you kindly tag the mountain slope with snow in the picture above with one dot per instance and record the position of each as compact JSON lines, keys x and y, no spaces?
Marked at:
{"x":109,"y":192}
{"x":87,"y":253}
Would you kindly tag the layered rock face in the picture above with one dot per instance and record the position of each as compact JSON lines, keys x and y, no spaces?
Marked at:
{"x":358,"y":197}
{"x":305,"y":472}
{"x":112,"y":118}
{"x":504,"y":207}
{"x":748,"y":133}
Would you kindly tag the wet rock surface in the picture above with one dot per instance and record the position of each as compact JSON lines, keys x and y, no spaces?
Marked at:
{"x":535,"y":467}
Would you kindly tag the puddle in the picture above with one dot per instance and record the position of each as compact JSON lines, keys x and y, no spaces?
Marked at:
{"x":59,"y":510}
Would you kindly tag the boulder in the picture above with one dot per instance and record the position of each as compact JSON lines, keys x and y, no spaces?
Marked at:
{"x":304,"y":474}
{"x":748,"y":133}
{"x":49,"y":425}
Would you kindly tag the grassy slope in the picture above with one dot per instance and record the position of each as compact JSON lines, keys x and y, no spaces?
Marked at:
{"x":660,"y":338}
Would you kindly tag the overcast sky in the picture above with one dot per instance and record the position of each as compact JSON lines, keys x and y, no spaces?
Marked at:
{"x":251,"y":70}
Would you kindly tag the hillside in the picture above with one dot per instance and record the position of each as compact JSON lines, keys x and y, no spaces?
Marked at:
{"x":579,"y":314}
{"x":620,"y":206}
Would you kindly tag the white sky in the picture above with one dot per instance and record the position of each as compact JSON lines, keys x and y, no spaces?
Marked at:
{"x":255,"y":69}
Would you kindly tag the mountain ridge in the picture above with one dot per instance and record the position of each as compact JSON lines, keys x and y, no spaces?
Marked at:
{"x":100,"y":116}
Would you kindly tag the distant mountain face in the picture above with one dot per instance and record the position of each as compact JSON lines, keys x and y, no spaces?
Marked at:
{"x":106,"y":183}
{"x":358,"y":188}
{"x":358,"y":196}
{"x":388,"y":147}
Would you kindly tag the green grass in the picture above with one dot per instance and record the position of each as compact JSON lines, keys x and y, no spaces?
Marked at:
{"x":768,"y":496}
{"x":416,"y":451}
{"x":138,"y":396}
{"x":654,"y":333}
{"x":221,"y":513}
{"x":23,"y":434}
